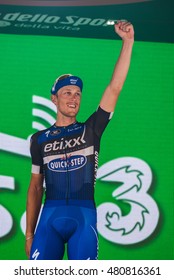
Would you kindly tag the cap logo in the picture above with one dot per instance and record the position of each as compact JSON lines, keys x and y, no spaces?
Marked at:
{"x":72,"y":80}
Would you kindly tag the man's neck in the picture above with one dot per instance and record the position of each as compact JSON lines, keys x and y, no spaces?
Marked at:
{"x":65,"y":121}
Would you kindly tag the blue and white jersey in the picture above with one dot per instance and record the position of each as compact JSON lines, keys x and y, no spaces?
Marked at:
{"x":68,"y":157}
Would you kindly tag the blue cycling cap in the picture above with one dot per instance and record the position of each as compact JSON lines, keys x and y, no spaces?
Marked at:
{"x":66,"y":80}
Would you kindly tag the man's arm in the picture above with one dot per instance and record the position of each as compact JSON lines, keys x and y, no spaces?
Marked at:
{"x":126,"y":32}
{"x":34,"y":201}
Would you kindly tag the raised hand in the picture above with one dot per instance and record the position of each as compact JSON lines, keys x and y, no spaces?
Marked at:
{"x":125,"y":30}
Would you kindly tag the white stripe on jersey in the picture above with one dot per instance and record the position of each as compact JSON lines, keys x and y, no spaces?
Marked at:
{"x":85,"y":152}
{"x":35,"y":169}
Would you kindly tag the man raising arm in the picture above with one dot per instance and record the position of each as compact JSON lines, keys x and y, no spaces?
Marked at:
{"x":125,"y":30}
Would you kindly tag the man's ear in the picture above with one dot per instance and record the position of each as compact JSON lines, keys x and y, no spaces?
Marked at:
{"x":54,"y":99}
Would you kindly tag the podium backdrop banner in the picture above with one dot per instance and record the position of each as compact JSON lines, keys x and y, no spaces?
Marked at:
{"x":153,"y":19}
{"x":134,"y":186}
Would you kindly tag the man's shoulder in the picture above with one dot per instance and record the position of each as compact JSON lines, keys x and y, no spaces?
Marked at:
{"x":99,"y":114}
{"x":41,"y":133}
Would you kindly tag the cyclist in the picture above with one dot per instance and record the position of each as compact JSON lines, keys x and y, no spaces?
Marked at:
{"x":66,"y":157}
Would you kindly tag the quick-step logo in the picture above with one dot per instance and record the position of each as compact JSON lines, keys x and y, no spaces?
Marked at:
{"x":67,"y":164}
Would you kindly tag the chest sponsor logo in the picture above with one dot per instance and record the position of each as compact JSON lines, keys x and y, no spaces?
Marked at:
{"x":55,"y":132}
{"x":64,"y":144}
{"x":67,"y":164}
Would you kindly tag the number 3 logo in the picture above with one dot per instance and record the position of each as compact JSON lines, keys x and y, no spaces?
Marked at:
{"x":6,"y":221}
{"x":142,"y":219}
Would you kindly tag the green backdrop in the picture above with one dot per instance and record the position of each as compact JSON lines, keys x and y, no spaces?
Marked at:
{"x":142,"y":125}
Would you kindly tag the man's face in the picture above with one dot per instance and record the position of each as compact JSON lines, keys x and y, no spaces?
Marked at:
{"x":68,"y":100}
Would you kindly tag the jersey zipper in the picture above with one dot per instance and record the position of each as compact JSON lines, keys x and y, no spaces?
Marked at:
{"x":67,"y":171}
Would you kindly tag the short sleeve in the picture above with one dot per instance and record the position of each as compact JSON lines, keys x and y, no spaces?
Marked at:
{"x":36,"y":156}
{"x":99,"y":120}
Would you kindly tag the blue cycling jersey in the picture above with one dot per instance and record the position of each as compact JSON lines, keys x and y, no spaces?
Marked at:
{"x":68,"y":158}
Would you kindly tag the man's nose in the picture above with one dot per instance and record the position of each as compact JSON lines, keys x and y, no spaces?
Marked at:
{"x":73,"y":96}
